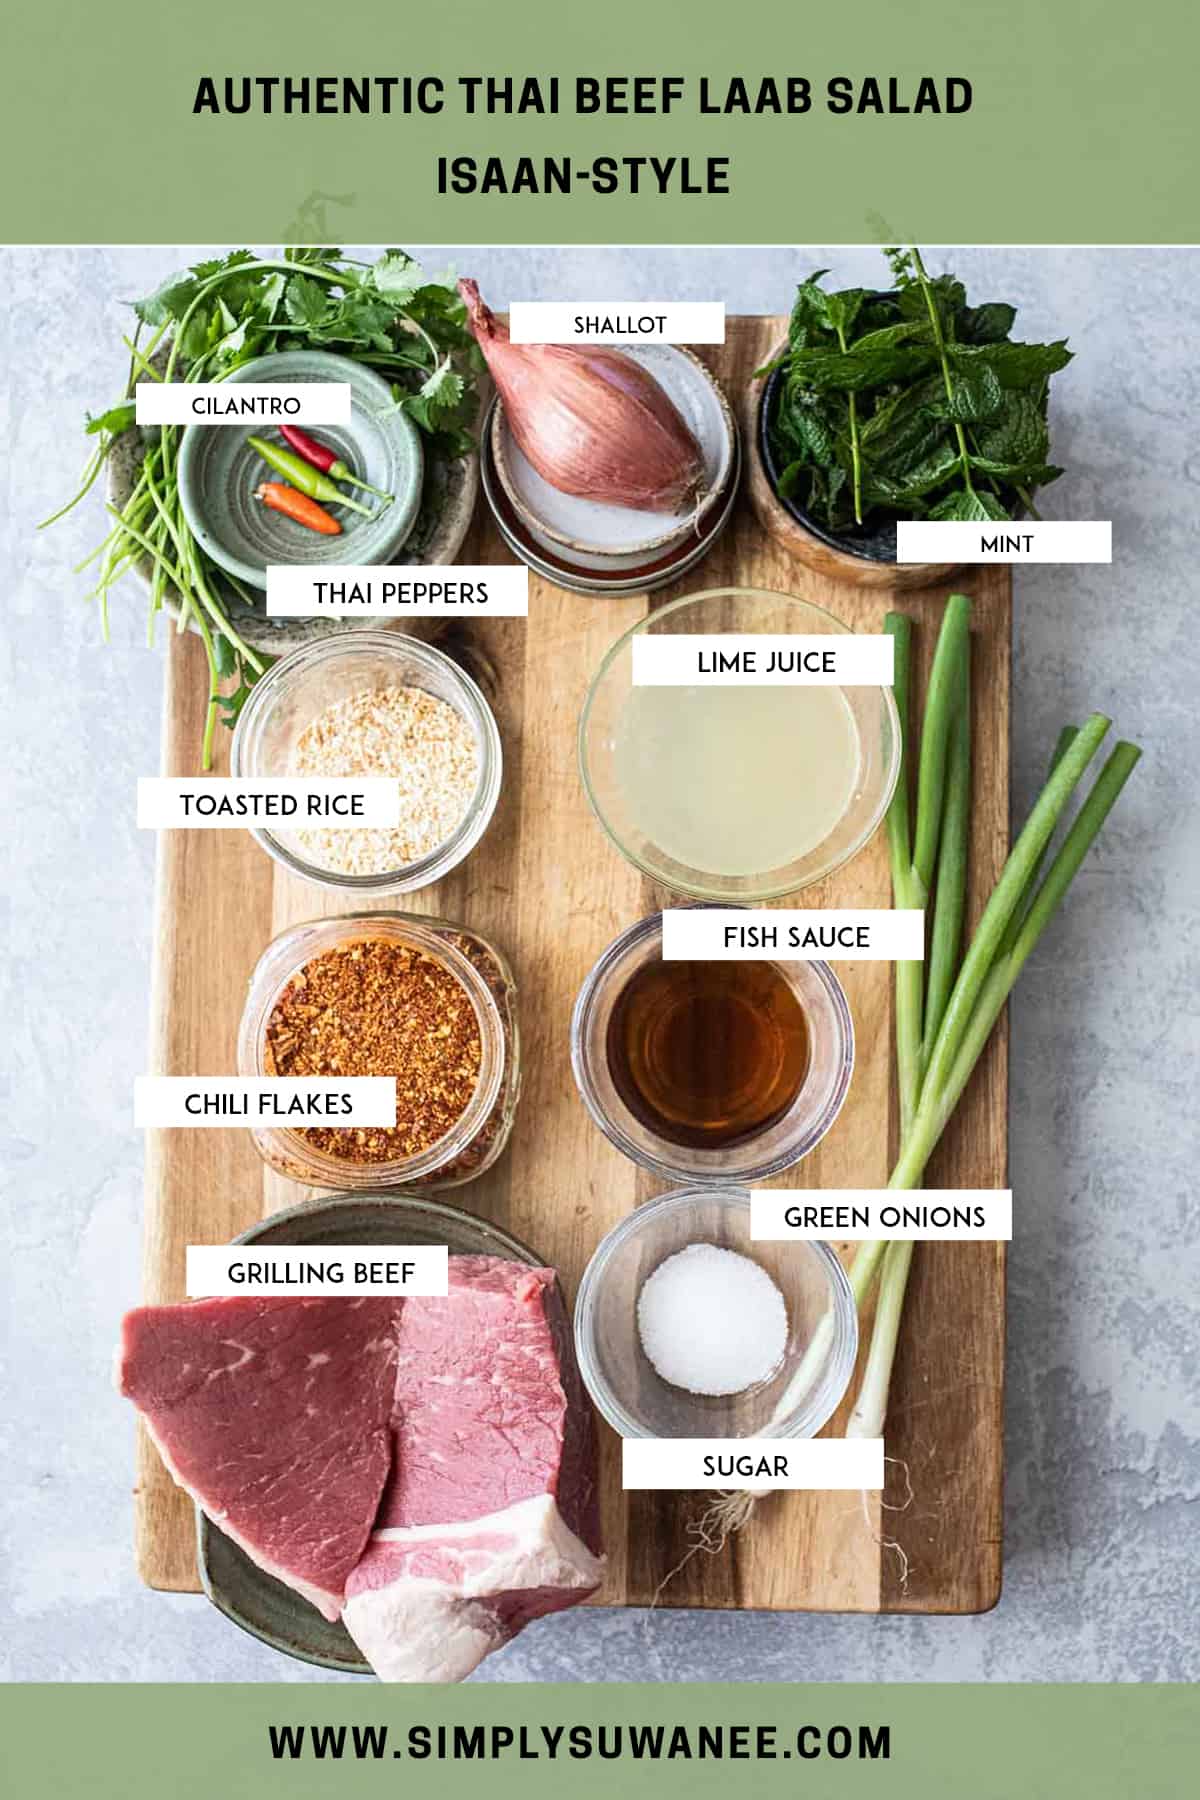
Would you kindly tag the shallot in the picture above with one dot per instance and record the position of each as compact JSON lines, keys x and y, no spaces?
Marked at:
{"x":592,"y":422}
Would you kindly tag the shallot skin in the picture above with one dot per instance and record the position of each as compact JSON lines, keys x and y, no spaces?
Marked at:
{"x":592,"y":422}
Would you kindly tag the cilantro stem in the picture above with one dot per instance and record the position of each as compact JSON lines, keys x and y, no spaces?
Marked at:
{"x":94,"y":466}
{"x":140,"y":361}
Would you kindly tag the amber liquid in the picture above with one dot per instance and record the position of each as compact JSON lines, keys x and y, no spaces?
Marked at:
{"x":708,"y":1054}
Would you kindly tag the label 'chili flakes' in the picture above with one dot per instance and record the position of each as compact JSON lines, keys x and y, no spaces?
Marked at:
{"x":373,"y":1007}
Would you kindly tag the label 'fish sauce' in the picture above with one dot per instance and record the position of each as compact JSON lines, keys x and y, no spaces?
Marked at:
{"x":708,"y":1054}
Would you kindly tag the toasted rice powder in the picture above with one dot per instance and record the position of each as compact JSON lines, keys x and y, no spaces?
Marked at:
{"x":426,"y":745}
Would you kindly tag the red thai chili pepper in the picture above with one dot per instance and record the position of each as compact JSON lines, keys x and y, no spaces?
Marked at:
{"x":283,"y":499}
{"x":322,"y":457}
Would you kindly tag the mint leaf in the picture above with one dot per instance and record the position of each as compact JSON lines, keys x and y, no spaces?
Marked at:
{"x":932,"y":472}
{"x":1015,"y":365}
{"x":855,"y":370}
{"x":976,"y":508}
{"x":810,"y":319}
{"x":1018,"y":434}
{"x":975,"y":393}
{"x":988,"y":324}
{"x":841,"y":310}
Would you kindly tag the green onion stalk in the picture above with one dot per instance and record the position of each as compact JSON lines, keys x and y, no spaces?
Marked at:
{"x":947,"y":1006}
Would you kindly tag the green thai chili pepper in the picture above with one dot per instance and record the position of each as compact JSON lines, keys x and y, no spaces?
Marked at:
{"x":302,"y":475}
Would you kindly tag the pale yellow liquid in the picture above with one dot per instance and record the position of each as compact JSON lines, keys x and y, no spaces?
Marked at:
{"x":737,"y":781}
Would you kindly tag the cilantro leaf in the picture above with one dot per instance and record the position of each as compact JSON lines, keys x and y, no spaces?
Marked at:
{"x":168,"y":301}
{"x":305,"y":302}
{"x":116,"y":420}
{"x":398,"y":276}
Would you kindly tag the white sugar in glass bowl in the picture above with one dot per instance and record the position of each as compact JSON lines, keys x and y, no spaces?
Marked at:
{"x":794,"y":1400}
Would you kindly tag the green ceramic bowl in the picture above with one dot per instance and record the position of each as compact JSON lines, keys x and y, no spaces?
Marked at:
{"x":266,"y":1608}
{"x":219,"y":471}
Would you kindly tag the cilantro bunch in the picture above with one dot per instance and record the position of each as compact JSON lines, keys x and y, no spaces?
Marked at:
{"x":910,"y":404}
{"x":203,"y":324}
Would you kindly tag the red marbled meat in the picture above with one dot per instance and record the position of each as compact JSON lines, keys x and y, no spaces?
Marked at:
{"x":274,"y":1415}
{"x":490,"y":1518}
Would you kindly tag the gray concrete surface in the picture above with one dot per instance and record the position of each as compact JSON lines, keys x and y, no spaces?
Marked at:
{"x":1104,"y":1415}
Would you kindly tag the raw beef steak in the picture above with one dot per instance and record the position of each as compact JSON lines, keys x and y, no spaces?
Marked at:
{"x":274,"y":1415}
{"x":490,"y":1517}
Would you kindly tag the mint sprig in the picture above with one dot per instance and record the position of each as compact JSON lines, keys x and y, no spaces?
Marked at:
{"x":911,"y":403}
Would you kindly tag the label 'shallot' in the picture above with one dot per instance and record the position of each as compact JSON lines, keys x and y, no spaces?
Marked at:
{"x":617,"y":321}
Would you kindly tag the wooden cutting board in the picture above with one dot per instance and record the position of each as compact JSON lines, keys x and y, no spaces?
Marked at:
{"x":548,"y":888}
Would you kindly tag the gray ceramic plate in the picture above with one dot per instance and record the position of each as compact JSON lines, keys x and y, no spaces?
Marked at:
{"x":607,"y":538}
{"x":219,"y":471}
{"x":564,"y":574}
{"x":447,"y":506}
{"x":237,"y":1587}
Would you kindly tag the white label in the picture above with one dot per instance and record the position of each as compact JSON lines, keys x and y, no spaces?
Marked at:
{"x":210,"y":802}
{"x":350,"y":590}
{"x":789,"y":934}
{"x":243,"y":403}
{"x":617,"y":321}
{"x":762,"y":659}
{"x":855,"y":1215}
{"x":1028,"y":540}
{"x":347,"y":1270}
{"x":220,"y":1101}
{"x":853,"y":1463}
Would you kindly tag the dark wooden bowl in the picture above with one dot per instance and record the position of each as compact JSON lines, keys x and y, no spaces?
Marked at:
{"x":866,"y":558}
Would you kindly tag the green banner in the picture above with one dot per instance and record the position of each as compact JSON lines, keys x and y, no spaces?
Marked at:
{"x":697,"y":122}
{"x":908,"y":1743}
